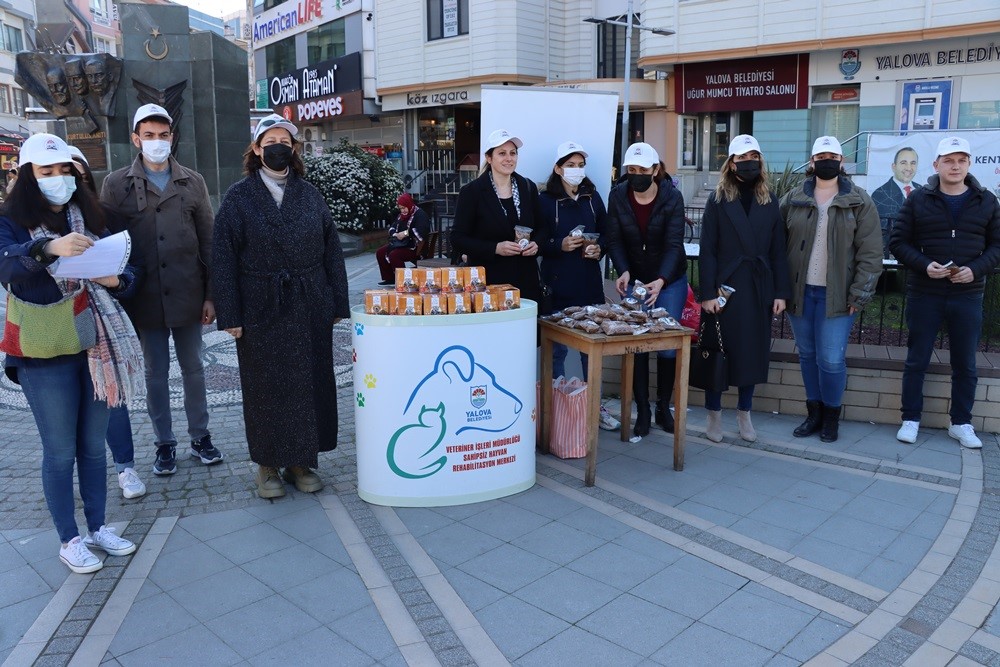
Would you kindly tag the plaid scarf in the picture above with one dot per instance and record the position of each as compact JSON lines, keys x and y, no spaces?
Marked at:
{"x":116,"y":365}
{"x":514,"y":193}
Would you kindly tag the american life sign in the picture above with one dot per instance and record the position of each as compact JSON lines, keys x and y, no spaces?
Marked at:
{"x":295,"y":16}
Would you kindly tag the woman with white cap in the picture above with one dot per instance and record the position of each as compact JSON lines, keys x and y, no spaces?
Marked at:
{"x":743,"y":246}
{"x":573,"y":213}
{"x":280,"y":285}
{"x":487,"y":211}
{"x":834,"y":243}
{"x":646,"y":242}
{"x":68,"y":380}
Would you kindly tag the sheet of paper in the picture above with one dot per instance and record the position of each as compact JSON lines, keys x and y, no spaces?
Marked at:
{"x":107,"y":257}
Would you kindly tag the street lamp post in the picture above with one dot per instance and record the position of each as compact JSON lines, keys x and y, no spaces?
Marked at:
{"x":628,"y":23}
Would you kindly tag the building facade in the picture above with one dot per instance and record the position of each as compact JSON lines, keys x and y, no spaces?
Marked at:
{"x":17,"y":18}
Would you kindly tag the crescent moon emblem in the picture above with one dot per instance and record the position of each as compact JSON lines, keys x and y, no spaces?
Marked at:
{"x":160,"y":56}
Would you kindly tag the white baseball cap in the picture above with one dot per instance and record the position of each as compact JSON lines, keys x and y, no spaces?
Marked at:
{"x":567,"y":148}
{"x":951,"y":145}
{"x":270,"y":122}
{"x":641,"y":155}
{"x":147,"y":111}
{"x":743,"y":144}
{"x":499,"y":138}
{"x":77,"y":153}
{"x":44,"y":150}
{"x":827,"y":145}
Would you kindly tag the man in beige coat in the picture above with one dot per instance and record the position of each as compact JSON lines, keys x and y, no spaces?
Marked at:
{"x":170,"y":220}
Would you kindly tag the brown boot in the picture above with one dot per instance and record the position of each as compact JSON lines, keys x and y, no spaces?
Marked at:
{"x":304,"y":479}
{"x":269,"y":483}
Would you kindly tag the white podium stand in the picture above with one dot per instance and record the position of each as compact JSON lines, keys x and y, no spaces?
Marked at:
{"x":444,"y":406}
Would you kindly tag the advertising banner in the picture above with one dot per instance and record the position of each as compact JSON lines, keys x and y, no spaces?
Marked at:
{"x":750,"y":84}
{"x":291,"y":18}
{"x":543,"y":118}
{"x":883,"y":148}
{"x":324,"y":90}
{"x":444,"y":406}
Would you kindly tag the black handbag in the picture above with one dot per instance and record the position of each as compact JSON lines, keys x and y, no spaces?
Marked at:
{"x":395,"y":244}
{"x":545,"y":299}
{"x":709,"y":364}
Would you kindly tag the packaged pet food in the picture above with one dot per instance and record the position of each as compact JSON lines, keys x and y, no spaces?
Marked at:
{"x":409,"y":304}
{"x":475,"y":279}
{"x":452,"y":279}
{"x":459,"y":303}
{"x":428,"y":280}
{"x":508,"y":299}
{"x":484,"y":302}
{"x":380,"y":302}
{"x":407,"y":281}
{"x":435,"y":304}
{"x":522,"y":235}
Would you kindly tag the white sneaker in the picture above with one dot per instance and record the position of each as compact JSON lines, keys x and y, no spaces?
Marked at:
{"x":607,"y":422}
{"x":966,"y":435}
{"x":131,"y":485}
{"x":106,"y":540}
{"x":78,"y":558}
{"x":908,"y":432}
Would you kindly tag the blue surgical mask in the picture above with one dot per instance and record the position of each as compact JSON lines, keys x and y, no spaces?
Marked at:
{"x":57,"y":189}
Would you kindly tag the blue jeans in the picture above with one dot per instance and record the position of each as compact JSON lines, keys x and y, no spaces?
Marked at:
{"x":559,"y":353}
{"x":822,"y":343}
{"x":120,"y":438}
{"x":71,"y":425}
{"x":925,"y":313}
{"x":156,"y":353}
{"x":672,"y":297}
{"x":713,"y":399}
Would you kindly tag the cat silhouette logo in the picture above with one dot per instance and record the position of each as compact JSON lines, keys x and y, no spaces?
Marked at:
{"x":437,"y":404}
{"x":478,"y":396}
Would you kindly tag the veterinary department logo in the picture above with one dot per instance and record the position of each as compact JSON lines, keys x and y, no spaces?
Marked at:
{"x":478,"y":396}
{"x":850,"y":63}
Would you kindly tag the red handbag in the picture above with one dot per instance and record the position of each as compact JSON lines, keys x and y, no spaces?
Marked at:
{"x":691,"y":316}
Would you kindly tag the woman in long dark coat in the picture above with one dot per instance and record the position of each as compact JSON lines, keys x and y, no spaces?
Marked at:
{"x":280,"y":286}
{"x":486,"y":213}
{"x":742,"y":246}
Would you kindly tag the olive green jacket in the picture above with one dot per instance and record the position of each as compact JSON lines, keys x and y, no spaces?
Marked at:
{"x":854,"y":245}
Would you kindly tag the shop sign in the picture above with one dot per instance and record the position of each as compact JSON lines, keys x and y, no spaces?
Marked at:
{"x":435,"y":99}
{"x":323,"y":108}
{"x":290,"y":18}
{"x":377,"y":151}
{"x":321,"y":80}
{"x":844,"y":95}
{"x":752,"y":84}
{"x":261,"y":98}
{"x":915,"y":58}
{"x":449,"y":11}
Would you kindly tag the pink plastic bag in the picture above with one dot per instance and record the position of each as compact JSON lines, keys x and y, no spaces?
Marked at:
{"x":568,"y":439}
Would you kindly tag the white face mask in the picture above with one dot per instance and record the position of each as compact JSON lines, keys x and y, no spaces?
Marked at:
{"x":57,"y":190}
{"x":156,"y":150}
{"x":573,"y":175}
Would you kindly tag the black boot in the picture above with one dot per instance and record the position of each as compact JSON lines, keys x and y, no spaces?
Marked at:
{"x":831,"y":424}
{"x":640,"y":390}
{"x":664,"y":389}
{"x":814,"y":419}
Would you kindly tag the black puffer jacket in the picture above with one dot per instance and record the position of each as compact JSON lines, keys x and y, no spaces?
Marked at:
{"x":661,"y":253}
{"x":926,"y":232}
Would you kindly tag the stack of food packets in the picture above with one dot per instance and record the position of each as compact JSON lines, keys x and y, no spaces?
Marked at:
{"x":453,"y":290}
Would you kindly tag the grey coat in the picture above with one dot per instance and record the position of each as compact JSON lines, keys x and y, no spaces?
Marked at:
{"x":172,"y":231}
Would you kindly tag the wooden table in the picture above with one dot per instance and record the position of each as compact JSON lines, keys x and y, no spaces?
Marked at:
{"x":598,"y":346}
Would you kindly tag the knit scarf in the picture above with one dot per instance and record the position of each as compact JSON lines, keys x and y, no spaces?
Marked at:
{"x":116,"y":365}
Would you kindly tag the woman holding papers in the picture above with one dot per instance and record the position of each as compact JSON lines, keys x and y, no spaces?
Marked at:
{"x":69,"y":376}
{"x":280,"y":285}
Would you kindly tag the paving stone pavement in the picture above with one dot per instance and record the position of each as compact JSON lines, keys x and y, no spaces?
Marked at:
{"x":779,"y":552}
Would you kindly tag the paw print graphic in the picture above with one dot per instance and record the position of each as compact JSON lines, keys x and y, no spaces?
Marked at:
{"x":359,"y":328}
{"x":361,"y":400}
{"x":370,"y":381}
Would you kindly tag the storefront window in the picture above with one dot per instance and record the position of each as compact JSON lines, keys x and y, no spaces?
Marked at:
{"x":718,"y":140}
{"x":447,"y":18}
{"x":975,"y":115}
{"x":689,"y":142}
{"x":326,"y":42}
{"x":836,"y":112}
{"x":436,"y":129}
{"x":280,"y":56}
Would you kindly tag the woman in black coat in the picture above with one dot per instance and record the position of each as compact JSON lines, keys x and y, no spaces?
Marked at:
{"x":280,"y":285}
{"x":742,"y":246}
{"x":487,"y":211}
{"x":646,"y":242}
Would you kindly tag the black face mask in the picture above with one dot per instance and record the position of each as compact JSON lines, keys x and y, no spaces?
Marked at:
{"x":277,"y":157}
{"x":748,"y":171}
{"x":826,"y":169}
{"x":640,"y":182}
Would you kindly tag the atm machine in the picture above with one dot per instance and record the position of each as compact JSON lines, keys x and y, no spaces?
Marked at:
{"x":925,"y":111}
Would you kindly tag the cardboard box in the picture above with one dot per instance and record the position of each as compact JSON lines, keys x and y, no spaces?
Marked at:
{"x":452,"y":279}
{"x":407,"y":281}
{"x":475,"y":279}
{"x":485,"y":302}
{"x":435,"y":304}
{"x":428,"y":280}
{"x":459,"y":303}
{"x":409,"y":304}
{"x":380,"y":302}
{"x":508,"y":298}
